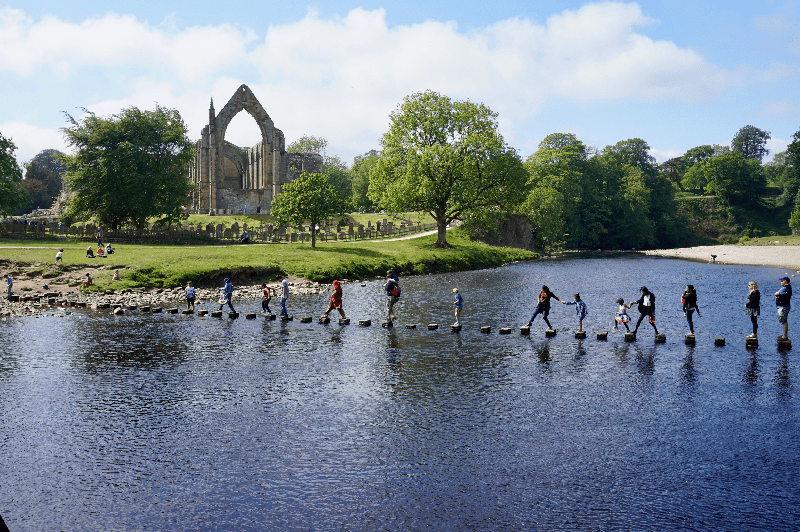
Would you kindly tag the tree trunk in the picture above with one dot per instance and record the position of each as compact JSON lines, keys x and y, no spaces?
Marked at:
{"x":441,"y":235}
{"x":313,"y":236}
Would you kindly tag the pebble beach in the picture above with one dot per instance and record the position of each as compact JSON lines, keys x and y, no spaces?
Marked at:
{"x":776,"y":256}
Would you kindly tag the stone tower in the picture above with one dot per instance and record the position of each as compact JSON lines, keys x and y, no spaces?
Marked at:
{"x":228,"y":178}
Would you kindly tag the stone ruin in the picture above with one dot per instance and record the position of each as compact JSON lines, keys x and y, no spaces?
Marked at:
{"x":227,"y":179}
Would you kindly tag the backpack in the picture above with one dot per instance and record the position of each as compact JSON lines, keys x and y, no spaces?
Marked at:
{"x":396,"y":290}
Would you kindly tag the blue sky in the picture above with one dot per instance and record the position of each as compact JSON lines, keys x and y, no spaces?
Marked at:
{"x":676,"y":73}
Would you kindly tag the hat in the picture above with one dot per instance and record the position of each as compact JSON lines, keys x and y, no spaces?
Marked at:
{"x":785,"y":279}
{"x":455,"y":290}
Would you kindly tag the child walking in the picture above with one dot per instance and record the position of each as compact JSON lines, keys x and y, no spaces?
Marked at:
{"x":580,"y":310}
{"x":189,"y":296}
{"x":336,"y":300}
{"x":458,"y":303}
{"x":622,"y":315}
{"x":267,"y":298}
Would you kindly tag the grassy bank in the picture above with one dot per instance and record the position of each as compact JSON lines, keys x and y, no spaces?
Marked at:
{"x":169,"y":266}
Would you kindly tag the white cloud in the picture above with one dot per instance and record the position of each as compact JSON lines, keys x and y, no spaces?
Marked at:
{"x":30,"y":139}
{"x":340,"y":77}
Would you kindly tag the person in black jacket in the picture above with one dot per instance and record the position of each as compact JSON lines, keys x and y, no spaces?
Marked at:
{"x":752,"y":306}
{"x":689,"y":300}
{"x":647,"y":308}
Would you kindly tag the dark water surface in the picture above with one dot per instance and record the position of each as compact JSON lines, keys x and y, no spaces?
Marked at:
{"x":162,"y":422}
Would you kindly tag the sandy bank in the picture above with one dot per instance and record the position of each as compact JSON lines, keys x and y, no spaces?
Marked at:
{"x":787,"y":257}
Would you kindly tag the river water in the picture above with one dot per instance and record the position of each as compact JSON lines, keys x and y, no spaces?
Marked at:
{"x":169,"y":422}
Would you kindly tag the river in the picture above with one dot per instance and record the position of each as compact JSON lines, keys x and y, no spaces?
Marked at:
{"x":171,"y":422}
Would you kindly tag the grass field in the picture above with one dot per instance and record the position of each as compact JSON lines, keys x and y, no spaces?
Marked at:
{"x":170,"y":266}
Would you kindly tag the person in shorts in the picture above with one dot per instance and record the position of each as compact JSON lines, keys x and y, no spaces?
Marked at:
{"x":392,"y":288}
{"x":458,"y":303}
{"x":190,"y":297}
{"x":60,"y":256}
{"x":783,"y":301}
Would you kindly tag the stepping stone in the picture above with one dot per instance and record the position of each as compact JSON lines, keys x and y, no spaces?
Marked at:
{"x":486,"y":329}
{"x":14,"y":299}
{"x":306,"y":319}
{"x":784,"y":344}
{"x":233,"y":315}
{"x":172,"y":310}
{"x":689,"y":339}
{"x":411,"y":325}
{"x":325,"y":320}
{"x":550,"y":333}
{"x":202,"y":312}
{"x":455,"y":328}
{"x":271,"y":317}
{"x":719,"y":341}
{"x":51,"y":301}
{"x":216,"y":313}
{"x":287,"y":318}
{"x":104,"y":305}
{"x":525,"y":330}
{"x":365,"y":323}
{"x":250,"y":315}
{"x":81,"y":304}
{"x":602,"y":335}
{"x":387,"y":324}
{"x":580,"y":335}
{"x":661,"y":338}
{"x":119,"y":311}
{"x":504,"y":330}
{"x":344,"y":321}
{"x":132,"y":307}
{"x":145,"y":309}
{"x":433,"y":326}
{"x":157,"y":310}
{"x":751,"y":342}
{"x":187,"y":311}
{"x":630,"y":336}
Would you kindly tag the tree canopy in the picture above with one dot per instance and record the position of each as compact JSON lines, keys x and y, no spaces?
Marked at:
{"x":129,"y":167}
{"x":310,"y":198}
{"x":12,"y":195}
{"x":359,"y":177}
{"x":333,"y":166}
{"x":43,"y":177}
{"x":751,"y":143}
{"x":730,"y":176}
{"x":446,"y":158}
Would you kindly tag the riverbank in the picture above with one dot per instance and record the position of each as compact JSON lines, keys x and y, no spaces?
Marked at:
{"x":776,"y":255}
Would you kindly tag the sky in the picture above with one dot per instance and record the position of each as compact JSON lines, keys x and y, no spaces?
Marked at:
{"x":676,"y":73}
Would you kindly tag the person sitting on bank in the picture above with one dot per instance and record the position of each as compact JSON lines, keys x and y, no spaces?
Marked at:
{"x":87,"y":281}
{"x":89,"y":253}
{"x":109,"y":249}
{"x":101,"y":252}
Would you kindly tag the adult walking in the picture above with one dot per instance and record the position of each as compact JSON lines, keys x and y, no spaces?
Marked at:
{"x":227,"y":295}
{"x":647,"y":308}
{"x":392,"y":288}
{"x":284,"y":294}
{"x":783,"y":299}
{"x":752,"y":306}
{"x":9,"y":284}
{"x":336,"y":300}
{"x":543,"y":305}
{"x":689,"y":300}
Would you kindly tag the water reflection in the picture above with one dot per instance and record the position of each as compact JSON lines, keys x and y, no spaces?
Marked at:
{"x":172,"y":422}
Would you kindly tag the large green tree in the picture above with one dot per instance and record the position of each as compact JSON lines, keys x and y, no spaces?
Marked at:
{"x":129,"y":167}
{"x":359,"y":174}
{"x":333,"y":166}
{"x":43,"y":177}
{"x":446,"y":158}
{"x":309,"y":198}
{"x":12,"y":195}
{"x":751,"y":143}
{"x":731,"y":176}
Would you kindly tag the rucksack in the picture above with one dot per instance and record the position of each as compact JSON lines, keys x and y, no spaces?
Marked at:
{"x":396,"y":290}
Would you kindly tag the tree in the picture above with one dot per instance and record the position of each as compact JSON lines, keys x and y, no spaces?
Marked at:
{"x":359,"y":179}
{"x":311,"y":198}
{"x":544,"y":207}
{"x":336,"y":169}
{"x":730,"y":176}
{"x":446,"y":158}
{"x":751,"y":143}
{"x":129,"y":167}
{"x":12,"y":195}
{"x":43,"y":177}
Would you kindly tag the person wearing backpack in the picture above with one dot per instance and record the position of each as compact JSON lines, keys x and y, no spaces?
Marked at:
{"x":647,"y":308}
{"x":392,"y":288}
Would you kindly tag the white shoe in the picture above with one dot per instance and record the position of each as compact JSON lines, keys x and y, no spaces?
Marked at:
{"x":457,"y":324}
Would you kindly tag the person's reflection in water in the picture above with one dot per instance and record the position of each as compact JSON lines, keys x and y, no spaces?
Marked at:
{"x":543,"y":352}
{"x":782,"y":377}
{"x":752,"y":373}
{"x":688,"y":373}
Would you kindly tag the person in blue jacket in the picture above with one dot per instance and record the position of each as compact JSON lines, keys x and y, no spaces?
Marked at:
{"x":783,"y":299}
{"x":227,"y":294}
{"x":580,"y":310}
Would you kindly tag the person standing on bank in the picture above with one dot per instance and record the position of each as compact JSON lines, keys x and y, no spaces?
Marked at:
{"x":9,"y":284}
{"x":689,"y":301}
{"x":336,"y":300}
{"x":392,"y":288}
{"x":647,"y":308}
{"x":60,"y":256}
{"x":284,"y":294}
{"x":227,"y":295}
{"x":543,"y":307}
{"x":783,"y":301}
{"x":752,"y":306}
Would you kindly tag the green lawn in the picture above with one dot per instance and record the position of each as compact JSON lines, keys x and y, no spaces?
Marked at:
{"x":170,"y":266}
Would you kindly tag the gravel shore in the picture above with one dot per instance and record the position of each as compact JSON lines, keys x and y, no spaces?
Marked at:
{"x":786,"y":257}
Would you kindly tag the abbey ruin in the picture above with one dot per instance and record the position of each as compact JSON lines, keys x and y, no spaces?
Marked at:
{"x":233,"y":180}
